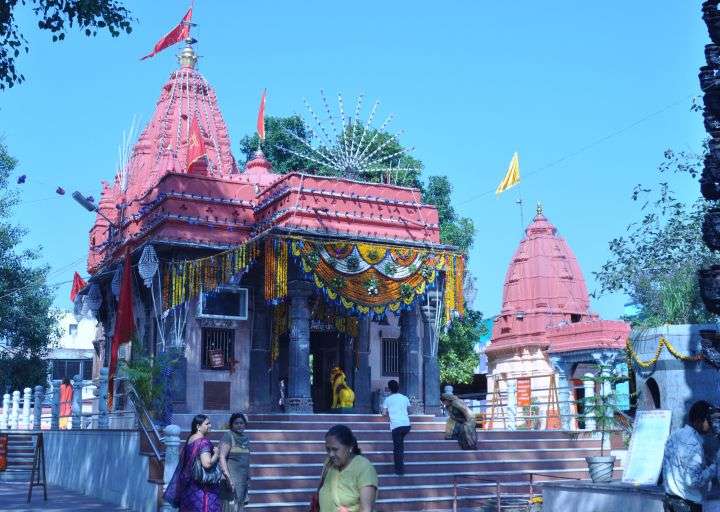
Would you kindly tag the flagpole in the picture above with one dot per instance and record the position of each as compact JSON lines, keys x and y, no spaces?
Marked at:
{"x":519,"y":202}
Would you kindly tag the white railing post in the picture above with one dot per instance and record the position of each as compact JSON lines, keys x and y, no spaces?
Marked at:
{"x":55,"y":418}
{"x":76,"y":407}
{"x":15,"y":410}
{"x":511,"y":404}
{"x":172,"y":457}
{"x":5,"y":412}
{"x":37,"y":410}
{"x":589,"y":385}
{"x":27,"y":396}
{"x":565,"y":394}
{"x":102,"y":399}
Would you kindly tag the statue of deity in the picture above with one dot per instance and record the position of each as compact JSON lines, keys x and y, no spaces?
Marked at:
{"x":343,"y":396}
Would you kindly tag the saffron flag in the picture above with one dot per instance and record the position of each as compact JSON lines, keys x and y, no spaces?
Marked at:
{"x":124,"y":322}
{"x":196,"y":144}
{"x":78,"y":284}
{"x":512,"y":176}
{"x":176,"y":35}
{"x":261,"y":117}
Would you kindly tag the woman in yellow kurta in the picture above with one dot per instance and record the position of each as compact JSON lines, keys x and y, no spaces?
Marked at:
{"x":349,"y":482}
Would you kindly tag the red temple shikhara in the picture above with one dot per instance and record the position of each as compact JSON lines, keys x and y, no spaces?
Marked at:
{"x":259,"y":285}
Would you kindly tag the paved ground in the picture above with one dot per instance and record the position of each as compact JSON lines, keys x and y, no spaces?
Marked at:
{"x":13,"y":496}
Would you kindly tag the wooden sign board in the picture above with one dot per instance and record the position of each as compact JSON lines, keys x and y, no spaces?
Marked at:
{"x":217,"y":358}
{"x":524,"y":392}
{"x":645,"y":455}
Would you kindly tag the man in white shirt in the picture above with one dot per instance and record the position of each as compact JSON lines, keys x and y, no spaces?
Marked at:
{"x":396,"y":408}
{"x":686,"y":475}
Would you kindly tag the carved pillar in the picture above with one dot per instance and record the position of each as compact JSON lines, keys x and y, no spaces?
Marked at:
{"x":564,"y":369}
{"x":102,"y":399}
{"x":55,"y":418}
{"x":261,"y":397}
{"x":37,"y":410}
{"x":431,"y":369}
{"x":15,"y":410}
{"x":363,"y":389}
{"x":5,"y":415}
{"x":172,"y":457}
{"x":76,"y":406}
{"x":348,"y":360}
{"x":299,"y":399}
{"x":409,"y":348}
{"x":589,"y":385}
{"x":25,"y":421}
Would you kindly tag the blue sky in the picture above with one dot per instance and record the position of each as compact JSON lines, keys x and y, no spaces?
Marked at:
{"x":469,"y":82}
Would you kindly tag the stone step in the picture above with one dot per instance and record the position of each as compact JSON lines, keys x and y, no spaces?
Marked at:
{"x":337,"y":418}
{"x":385,"y":468}
{"x":501,"y":454}
{"x":15,"y":475}
{"x":354,"y":425}
{"x":262,"y":446}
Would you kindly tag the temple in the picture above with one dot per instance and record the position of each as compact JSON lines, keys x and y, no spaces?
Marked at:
{"x":545,"y":339}
{"x":259,"y":287}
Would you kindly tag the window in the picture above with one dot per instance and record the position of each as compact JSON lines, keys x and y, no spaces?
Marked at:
{"x":68,"y":368}
{"x":218,"y":348}
{"x":575,"y":318}
{"x":390,"y":357}
{"x":72,"y":329}
{"x":225,"y":302}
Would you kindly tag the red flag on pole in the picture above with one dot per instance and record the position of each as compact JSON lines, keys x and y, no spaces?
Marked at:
{"x":261,"y":117}
{"x":124,"y":321}
{"x":176,"y":35}
{"x":78,"y":284}
{"x":196,"y":144}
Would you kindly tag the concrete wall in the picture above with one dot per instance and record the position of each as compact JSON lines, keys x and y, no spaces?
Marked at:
{"x":105,"y":464}
{"x":680,"y":383}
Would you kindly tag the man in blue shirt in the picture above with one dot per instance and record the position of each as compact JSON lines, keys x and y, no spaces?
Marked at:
{"x":686,"y":474}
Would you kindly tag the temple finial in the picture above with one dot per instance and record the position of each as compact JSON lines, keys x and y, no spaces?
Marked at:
{"x":187,"y":57}
{"x":539,"y":208}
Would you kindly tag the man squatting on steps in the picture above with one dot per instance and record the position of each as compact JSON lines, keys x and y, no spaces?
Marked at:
{"x":396,"y":408}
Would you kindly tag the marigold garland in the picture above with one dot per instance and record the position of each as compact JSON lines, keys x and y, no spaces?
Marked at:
{"x":276,"y":269}
{"x":279,"y":327}
{"x":663,"y":342}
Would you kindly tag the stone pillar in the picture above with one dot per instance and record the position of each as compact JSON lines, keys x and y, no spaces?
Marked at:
{"x":102,"y":398}
{"x":5,"y":415}
{"x":261,"y":396}
{"x":348,"y":361}
{"x":409,"y":348}
{"x":25,"y":417}
{"x":55,"y":418}
{"x":511,"y":408}
{"x":15,"y":410}
{"x":172,"y":457}
{"x":431,"y":369}
{"x":589,"y":385}
{"x":299,"y":399}
{"x":563,"y":369}
{"x":76,"y":406}
{"x":363,"y":384}
{"x":37,"y":410}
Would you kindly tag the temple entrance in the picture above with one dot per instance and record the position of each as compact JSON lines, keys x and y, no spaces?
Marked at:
{"x":328,"y":350}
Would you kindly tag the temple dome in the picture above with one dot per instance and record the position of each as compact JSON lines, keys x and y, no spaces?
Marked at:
{"x":544,"y":288}
{"x":162,"y":147}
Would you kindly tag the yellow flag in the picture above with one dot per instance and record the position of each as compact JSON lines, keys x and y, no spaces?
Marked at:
{"x":512,"y":176}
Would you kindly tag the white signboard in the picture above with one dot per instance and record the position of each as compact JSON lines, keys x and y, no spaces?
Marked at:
{"x":647,"y":446}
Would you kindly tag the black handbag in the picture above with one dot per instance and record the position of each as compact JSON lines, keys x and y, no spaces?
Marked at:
{"x":203,"y":476}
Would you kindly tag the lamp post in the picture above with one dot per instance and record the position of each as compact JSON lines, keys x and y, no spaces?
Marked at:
{"x":90,"y":206}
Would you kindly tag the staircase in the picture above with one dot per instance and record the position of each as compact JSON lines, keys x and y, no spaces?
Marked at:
{"x":288,"y":452}
{"x":21,"y":448}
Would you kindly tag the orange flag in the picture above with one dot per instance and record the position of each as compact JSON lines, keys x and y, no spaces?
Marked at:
{"x":124,"y":321}
{"x":196,"y":145}
{"x":78,"y":284}
{"x":176,"y":35}
{"x":261,"y":117}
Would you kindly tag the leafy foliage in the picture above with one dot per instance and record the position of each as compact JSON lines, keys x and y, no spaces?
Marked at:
{"x":456,"y":354}
{"x":276,"y":131}
{"x":26,"y":322}
{"x":55,"y":16}
{"x":657,"y":260}
{"x":602,"y":407}
{"x":454,"y":230}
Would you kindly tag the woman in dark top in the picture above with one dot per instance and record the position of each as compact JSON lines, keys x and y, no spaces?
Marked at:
{"x":235,"y":464}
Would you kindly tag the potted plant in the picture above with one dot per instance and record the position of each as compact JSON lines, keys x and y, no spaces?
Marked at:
{"x":602,"y":409}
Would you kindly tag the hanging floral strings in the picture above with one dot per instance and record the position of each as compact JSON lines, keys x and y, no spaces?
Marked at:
{"x":184,"y":280}
{"x":367,"y":278}
{"x":279,"y":327}
{"x":276,"y":268}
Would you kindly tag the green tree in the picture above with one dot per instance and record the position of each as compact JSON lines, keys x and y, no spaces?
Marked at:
{"x":656,"y":261}
{"x":55,"y":16}
{"x":26,"y":322}
{"x":278,"y":135}
{"x":456,"y":354}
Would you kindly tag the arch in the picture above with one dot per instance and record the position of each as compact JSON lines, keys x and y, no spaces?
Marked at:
{"x":652,"y":388}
